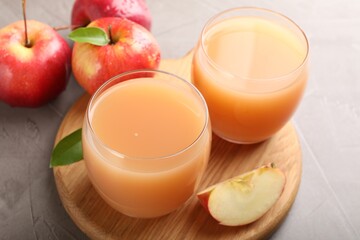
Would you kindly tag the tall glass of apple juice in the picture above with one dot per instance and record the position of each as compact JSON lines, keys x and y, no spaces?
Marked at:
{"x":250,"y":64}
{"x":146,"y":142}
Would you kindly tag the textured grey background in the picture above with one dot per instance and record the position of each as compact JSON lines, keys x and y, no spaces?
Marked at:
{"x":328,"y":120}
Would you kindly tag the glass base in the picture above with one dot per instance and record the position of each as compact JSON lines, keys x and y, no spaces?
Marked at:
{"x":137,"y":212}
{"x":236,"y":141}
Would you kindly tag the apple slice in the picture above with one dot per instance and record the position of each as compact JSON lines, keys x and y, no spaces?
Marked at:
{"x":245,"y":198}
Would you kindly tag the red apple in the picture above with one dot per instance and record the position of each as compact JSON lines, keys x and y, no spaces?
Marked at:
{"x":131,"y":47}
{"x":86,"y":11}
{"x":32,"y":75}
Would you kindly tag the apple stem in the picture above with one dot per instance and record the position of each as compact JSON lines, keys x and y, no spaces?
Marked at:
{"x":27,"y":42}
{"x":63,"y":27}
{"x":110,"y":36}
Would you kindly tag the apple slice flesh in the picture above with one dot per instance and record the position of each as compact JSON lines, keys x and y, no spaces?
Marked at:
{"x":245,"y":198}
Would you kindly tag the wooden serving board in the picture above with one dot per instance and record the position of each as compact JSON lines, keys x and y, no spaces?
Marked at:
{"x":99,"y":221}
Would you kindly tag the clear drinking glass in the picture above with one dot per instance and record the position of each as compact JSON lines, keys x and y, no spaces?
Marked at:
{"x":251,"y":65}
{"x":146,"y":142}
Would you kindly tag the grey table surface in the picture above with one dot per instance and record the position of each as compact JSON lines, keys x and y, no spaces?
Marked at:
{"x":328,"y":120}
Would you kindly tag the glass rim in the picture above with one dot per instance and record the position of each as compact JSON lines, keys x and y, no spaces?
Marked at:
{"x":118,"y":154}
{"x":218,"y":67}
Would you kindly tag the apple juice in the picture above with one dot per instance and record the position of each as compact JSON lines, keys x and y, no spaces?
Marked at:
{"x":146,"y":143}
{"x":250,"y":65}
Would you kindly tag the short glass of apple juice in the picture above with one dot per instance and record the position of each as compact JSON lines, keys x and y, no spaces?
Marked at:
{"x":250,"y":64}
{"x":146,"y":142}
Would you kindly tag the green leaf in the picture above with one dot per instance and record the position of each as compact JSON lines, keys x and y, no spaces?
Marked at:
{"x":68,"y":150}
{"x":93,"y":35}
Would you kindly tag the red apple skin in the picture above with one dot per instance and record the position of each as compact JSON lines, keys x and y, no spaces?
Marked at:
{"x":132,"y":47}
{"x":203,"y":198}
{"x":86,"y":11}
{"x":32,"y":76}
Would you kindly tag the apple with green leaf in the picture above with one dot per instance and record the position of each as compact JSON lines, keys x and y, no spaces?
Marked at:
{"x":35,"y":63}
{"x":245,"y":198}
{"x":86,"y":11}
{"x":108,"y":47}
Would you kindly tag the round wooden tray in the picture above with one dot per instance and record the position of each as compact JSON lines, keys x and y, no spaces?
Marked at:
{"x":99,"y":221}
